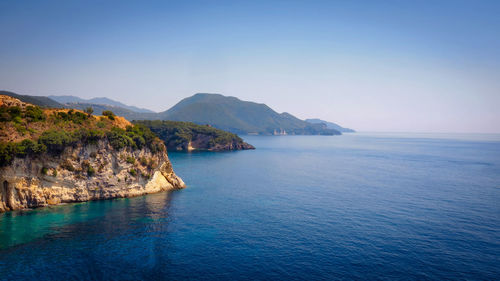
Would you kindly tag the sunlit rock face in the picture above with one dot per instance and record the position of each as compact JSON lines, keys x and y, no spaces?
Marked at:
{"x":85,"y":172}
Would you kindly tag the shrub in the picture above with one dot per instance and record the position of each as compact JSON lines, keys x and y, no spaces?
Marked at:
{"x":133,"y":172}
{"x":134,"y":137}
{"x":67,"y":165}
{"x":118,"y":139}
{"x":62,"y":116}
{"x":4,"y":114}
{"x":130,"y":160}
{"x":14,"y":111}
{"x":54,"y":173}
{"x":20,"y":128}
{"x":143,"y":161}
{"x":44,"y":171}
{"x":88,"y":135}
{"x":34,"y":113}
{"x":138,"y":140}
{"x":90,"y":171}
{"x":26,"y":147}
{"x":29,"y":147}
{"x":76,"y":117}
{"x":7,"y":153}
{"x":17,"y":119}
{"x":56,"y":141}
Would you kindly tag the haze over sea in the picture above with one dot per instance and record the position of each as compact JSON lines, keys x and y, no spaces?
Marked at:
{"x":357,"y":206}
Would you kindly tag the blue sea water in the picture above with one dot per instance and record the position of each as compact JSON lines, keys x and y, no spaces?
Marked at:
{"x":357,"y":206}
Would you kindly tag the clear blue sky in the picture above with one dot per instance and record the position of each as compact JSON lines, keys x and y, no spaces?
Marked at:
{"x":426,"y":66}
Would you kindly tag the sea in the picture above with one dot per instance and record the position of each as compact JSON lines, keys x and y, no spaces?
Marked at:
{"x":361,"y":206}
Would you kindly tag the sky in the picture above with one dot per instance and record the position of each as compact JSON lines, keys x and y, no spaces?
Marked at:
{"x":390,"y":66}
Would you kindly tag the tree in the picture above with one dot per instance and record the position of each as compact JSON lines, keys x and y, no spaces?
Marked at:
{"x":109,"y":114}
{"x":89,"y":110}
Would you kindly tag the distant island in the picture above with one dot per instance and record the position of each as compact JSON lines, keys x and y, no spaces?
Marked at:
{"x":222,"y":112}
{"x":331,"y":125}
{"x":50,"y":156}
{"x":187,"y":136}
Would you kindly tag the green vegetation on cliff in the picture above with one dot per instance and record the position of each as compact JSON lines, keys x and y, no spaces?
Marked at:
{"x":28,"y":130}
{"x":187,"y":136}
{"x":135,"y":137}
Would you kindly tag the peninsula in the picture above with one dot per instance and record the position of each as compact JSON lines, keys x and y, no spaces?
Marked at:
{"x":188,"y":136}
{"x":51,"y":156}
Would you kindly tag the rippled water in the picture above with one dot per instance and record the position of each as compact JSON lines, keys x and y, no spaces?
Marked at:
{"x":311,"y":208}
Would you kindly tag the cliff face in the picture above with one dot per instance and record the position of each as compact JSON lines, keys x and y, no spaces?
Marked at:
{"x":84,"y":172}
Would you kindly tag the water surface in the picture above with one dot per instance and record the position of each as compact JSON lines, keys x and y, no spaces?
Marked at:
{"x":357,"y":206}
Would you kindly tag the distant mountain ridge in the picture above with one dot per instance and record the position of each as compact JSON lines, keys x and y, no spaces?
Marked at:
{"x":101,"y":101}
{"x":331,"y":125}
{"x":120,"y":111}
{"x":240,"y":117}
{"x":222,"y":112}
{"x":36,"y":100}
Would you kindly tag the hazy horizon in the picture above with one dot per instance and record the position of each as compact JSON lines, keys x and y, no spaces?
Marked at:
{"x":386,"y":66}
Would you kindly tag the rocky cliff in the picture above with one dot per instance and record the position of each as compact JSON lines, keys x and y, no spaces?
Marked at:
{"x":77,"y":162}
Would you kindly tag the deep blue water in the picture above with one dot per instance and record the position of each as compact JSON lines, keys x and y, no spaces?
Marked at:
{"x":356,"y":206}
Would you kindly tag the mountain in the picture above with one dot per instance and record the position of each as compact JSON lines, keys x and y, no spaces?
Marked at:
{"x":330,"y":125}
{"x":240,"y":117}
{"x":222,"y":112}
{"x":120,"y":111}
{"x":100,"y":101}
{"x":36,"y":100}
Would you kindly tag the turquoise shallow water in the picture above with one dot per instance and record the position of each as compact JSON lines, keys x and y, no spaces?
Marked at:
{"x":357,"y":206}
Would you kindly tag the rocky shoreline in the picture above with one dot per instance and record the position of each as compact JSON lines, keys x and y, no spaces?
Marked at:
{"x":49,"y":180}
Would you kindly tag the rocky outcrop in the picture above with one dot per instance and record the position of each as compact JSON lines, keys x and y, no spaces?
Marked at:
{"x":187,"y":136}
{"x":84,"y":172}
{"x":202,"y":142}
{"x":232,"y":146}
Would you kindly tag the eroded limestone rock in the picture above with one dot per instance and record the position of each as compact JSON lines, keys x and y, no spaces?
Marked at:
{"x":83,"y":173}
